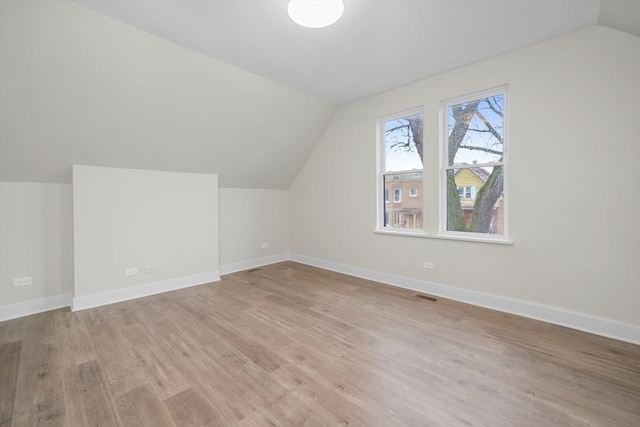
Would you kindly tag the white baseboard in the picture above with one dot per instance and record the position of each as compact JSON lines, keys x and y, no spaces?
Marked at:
{"x":253,"y":263}
{"x":579,"y":321}
{"x":27,"y":308}
{"x":125,"y":294}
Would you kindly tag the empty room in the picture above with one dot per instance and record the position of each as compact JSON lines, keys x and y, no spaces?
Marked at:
{"x":319,"y":213}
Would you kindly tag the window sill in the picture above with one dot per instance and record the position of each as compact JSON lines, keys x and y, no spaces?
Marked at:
{"x":495,"y":241}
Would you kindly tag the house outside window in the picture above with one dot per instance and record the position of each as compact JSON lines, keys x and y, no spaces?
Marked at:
{"x":470,"y":186}
{"x":473,"y":173}
{"x":401,"y":171}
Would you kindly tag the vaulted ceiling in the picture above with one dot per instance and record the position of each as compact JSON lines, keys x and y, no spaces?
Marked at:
{"x":376,"y":46}
{"x":231,"y":86}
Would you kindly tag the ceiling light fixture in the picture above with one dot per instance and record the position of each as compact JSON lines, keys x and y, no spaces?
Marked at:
{"x":315,"y":13}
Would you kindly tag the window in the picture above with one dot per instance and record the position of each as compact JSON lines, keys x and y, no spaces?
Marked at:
{"x":401,"y":170}
{"x":467,"y":192}
{"x":473,"y":175}
{"x":397,"y":195}
{"x":397,"y":219}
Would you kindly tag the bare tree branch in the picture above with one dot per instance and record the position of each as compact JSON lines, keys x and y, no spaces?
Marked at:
{"x":393,"y":129}
{"x":489,"y":126}
{"x":495,"y":107}
{"x":486,"y":150}
{"x":412,"y":131}
{"x":480,"y":130}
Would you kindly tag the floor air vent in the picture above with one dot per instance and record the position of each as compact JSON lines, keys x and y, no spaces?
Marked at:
{"x":428,"y":298}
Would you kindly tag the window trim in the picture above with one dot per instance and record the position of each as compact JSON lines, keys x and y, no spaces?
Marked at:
{"x":381,"y":167}
{"x":444,"y":143}
{"x":413,"y":192}
{"x":464,"y":192}
{"x":432,"y":228}
{"x":397,"y":192}
{"x":484,"y":238}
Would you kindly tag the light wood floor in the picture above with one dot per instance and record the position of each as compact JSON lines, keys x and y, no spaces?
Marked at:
{"x":292,"y":345}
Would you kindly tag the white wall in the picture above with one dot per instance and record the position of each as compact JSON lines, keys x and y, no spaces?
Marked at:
{"x":249,"y":218}
{"x":78,"y":87}
{"x":573,"y":149}
{"x":127,"y":218}
{"x":35,"y":240}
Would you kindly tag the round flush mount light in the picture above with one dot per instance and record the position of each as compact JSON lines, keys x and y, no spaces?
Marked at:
{"x":315,"y":13}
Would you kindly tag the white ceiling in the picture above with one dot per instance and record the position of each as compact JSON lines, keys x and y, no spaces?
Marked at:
{"x":376,"y":46}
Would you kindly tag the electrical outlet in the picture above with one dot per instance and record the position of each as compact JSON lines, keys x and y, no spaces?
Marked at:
{"x":428,"y":265}
{"x":149,"y":268}
{"x":264,"y":245}
{"x":130,"y":271}
{"x":22,"y":281}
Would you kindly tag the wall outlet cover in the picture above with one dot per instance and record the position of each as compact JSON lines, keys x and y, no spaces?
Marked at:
{"x":22,"y":281}
{"x":130,"y":271}
{"x":428,"y":265}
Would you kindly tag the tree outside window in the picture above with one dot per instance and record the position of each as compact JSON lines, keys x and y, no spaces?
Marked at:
{"x":473,"y":168}
{"x":474,"y":151}
{"x":402,"y":170}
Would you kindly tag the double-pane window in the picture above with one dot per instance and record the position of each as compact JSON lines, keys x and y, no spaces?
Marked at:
{"x":402,"y":171}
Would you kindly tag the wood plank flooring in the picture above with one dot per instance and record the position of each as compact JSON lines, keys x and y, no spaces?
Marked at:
{"x":293,"y":345}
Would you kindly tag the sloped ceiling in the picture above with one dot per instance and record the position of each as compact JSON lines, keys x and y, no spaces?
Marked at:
{"x":110,"y":82}
{"x":376,"y":46}
{"x":77,"y":87}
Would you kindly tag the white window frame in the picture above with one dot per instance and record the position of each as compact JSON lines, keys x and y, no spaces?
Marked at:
{"x":432,"y":227}
{"x":397,"y":218}
{"x":380,"y":204}
{"x":397,"y":195}
{"x":471,"y":192}
{"x":413,"y":192}
{"x":444,"y":144}
{"x":462,"y":191}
